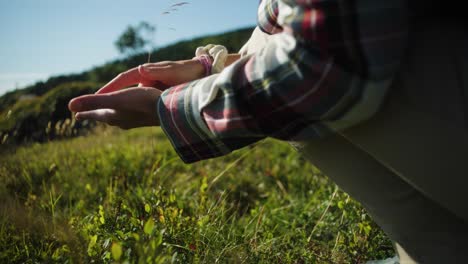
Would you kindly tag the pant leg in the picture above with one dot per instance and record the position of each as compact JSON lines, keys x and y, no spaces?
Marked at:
{"x":406,"y":165}
{"x":421,"y":132}
{"x":428,"y":232}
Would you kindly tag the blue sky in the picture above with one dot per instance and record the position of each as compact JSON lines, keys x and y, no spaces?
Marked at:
{"x":42,"y":38}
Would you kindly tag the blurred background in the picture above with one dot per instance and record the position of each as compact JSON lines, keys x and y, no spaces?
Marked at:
{"x":46,"y":38}
{"x":54,"y":50}
{"x":81,"y":192}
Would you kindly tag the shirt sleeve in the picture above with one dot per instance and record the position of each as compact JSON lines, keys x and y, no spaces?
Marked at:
{"x":267,"y":17}
{"x":327,"y":67}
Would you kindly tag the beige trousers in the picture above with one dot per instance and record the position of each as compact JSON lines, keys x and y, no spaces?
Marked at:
{"x":407,"y":164}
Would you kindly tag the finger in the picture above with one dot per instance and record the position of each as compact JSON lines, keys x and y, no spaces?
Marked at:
{"x":160,"y":72}
{"x":147,"y":83}
{"x":93,"y":102}
{"x":122,"y":119}
{"x":133,"y":99}
{"x":125,"y":79}
{"x":149,"y":73}
{"x":160,"y":86}
{"x":101,"y":115}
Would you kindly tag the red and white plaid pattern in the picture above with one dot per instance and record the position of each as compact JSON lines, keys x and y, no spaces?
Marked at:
{"x":326,"y":67}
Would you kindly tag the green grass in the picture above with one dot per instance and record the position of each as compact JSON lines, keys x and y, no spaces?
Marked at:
{"x":124,"y":196}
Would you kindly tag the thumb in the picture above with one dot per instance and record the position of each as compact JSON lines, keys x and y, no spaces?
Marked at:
{"x":101,"y":115}
{"x":92,"y":102}
{"x":133,"y":99}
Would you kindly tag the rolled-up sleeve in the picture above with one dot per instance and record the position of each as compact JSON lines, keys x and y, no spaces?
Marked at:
{"x":326,"y":67}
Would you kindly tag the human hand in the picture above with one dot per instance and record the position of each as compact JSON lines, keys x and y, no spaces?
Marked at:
{"x":128,"y":108}
{"x":134,"y":107}
{"x":160,"y":75}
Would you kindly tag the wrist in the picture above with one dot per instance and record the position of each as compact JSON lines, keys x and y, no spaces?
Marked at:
{"x":206,"y":62}
{"x":198,"y":68}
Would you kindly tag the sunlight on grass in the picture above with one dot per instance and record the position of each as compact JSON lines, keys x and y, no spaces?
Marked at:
{"x":125,"y":196}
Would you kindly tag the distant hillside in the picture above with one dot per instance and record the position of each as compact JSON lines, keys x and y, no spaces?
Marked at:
{"x":39,"y":112}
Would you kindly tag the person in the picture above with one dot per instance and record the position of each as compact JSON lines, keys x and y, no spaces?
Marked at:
{"x":371,"y":92}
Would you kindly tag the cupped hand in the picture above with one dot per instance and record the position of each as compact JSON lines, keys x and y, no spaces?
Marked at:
{"x":128,"y":108}
{"x":134,"y":107}
{"x":160,"y":75}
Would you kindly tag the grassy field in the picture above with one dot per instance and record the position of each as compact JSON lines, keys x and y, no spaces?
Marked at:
{"x":124,"y":196}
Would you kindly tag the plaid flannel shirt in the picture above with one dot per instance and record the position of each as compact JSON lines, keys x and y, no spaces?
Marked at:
{"x":327,"y":65}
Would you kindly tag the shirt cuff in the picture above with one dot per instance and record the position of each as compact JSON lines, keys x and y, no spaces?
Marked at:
{"x":181,"y":120}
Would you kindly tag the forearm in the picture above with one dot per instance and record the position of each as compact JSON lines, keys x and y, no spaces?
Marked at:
{"x":186,"y":71}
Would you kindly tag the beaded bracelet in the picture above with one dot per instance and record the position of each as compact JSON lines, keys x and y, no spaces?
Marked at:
{"x":205,"y":60}
{"x":218,"y":55}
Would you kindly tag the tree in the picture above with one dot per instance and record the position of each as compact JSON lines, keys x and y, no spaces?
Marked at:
{"x":135,"y":38}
